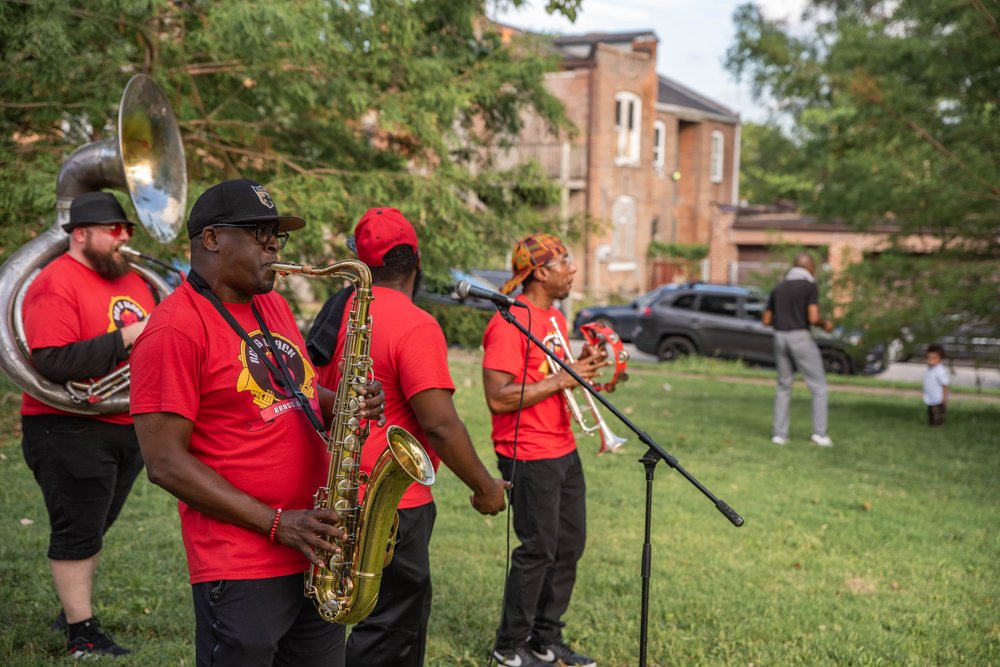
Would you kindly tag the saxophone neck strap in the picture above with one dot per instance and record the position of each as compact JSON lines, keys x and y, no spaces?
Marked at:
{"x":279,"y":372}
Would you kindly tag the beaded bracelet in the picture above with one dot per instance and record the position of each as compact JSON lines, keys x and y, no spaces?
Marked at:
{"x":274,"y":526}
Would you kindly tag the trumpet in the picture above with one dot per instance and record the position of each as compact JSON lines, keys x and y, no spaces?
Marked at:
{"x":609,"y":441}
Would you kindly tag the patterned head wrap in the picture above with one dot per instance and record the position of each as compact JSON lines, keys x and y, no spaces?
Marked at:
{"x":530,"y":253}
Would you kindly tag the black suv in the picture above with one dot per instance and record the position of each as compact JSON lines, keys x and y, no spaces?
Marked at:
{"x":724,"y":321}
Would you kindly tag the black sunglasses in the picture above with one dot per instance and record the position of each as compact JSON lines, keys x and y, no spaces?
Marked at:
{"x":263,"y":232}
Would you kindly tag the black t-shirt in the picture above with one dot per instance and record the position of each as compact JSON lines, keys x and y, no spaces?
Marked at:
{"x":790,"y":301}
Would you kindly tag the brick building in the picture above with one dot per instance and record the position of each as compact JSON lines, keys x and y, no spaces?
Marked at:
{"x":650,"y":158}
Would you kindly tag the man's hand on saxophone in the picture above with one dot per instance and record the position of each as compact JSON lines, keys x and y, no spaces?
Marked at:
{"x":310,"y":531}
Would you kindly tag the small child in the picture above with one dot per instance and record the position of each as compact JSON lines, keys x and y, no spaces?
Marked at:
{"x":936,"y":385}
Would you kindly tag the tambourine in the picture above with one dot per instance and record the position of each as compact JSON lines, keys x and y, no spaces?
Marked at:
{"x":595,"y":333}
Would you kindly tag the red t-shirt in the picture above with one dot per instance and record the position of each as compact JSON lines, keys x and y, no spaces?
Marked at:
{"x":544,"y":430}
{"x":68,"y":303}
{"x":409,"y":355}
{"x":190,"y":362}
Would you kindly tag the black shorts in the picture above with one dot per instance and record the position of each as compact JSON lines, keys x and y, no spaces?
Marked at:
{"x":86,"y":468}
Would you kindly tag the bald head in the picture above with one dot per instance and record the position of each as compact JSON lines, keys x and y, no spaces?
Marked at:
{"x":804,"y":260}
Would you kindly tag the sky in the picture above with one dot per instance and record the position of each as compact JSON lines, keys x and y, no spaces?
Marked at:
{"x":694,"y":36}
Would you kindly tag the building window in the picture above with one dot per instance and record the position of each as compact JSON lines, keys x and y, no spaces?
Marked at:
{"x":718,"y":152}
{"x":628,"y":128}
{"x":623,"y":226}
{"x":659,"y":145}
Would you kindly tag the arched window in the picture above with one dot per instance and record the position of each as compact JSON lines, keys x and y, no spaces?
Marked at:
{"x":623,"y":229}
{"x":628,"y":128}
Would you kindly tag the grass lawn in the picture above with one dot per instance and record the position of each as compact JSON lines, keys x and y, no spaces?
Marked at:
{"x":879,"y":551}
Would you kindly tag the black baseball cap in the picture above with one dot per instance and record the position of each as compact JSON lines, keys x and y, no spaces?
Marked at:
{"x":238,"y":202}
{"x":95,"y":208}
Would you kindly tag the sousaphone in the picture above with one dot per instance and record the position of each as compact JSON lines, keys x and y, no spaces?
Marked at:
{"x":146,"y":160}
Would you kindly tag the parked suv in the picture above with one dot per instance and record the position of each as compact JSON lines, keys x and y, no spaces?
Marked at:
{"x":724,"y":321}
{"x":623,"y":319}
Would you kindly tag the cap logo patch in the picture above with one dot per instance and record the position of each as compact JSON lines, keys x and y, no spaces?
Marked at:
{"x":262,"y":195}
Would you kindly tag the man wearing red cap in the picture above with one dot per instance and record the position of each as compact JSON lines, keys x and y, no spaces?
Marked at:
{"x":81,"y":315}
{"x":410,"y":357}
{"x":537,"y":453}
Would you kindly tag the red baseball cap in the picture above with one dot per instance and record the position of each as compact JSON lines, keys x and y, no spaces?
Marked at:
{"x":380,"y":230}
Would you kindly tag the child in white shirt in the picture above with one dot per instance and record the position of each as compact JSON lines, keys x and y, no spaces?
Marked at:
{"x":936,"y":385}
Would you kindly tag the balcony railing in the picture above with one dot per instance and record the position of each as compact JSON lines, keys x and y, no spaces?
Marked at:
{"x":562,"y":162}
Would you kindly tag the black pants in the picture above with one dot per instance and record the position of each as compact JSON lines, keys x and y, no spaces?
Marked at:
{"x":262,"y":623}
{"x":550,"y":519}
{"x":935,"y":414}
{"x":395,"y":633}
{"x":85,"y":468}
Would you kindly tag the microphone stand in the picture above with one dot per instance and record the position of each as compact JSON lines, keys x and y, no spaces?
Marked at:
{"x":653,"y":455}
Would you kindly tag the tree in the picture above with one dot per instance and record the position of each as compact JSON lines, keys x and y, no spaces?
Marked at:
{"x":335,"y":106}
{"x":894,"y":109}
{"x":771,"y":168}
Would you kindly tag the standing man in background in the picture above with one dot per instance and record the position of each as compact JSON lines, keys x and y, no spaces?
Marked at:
{"x":81,"y":316}
{"x":537,"y":453}
{"x":792,"y":308}
{"x":410,"y":357}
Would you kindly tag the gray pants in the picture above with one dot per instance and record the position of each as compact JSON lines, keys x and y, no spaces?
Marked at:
{"x":797,"y":350}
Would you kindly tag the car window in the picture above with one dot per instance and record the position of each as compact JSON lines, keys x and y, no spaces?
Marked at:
{"x":718,"y":305}
{"x":754,"y":307}
{"x":646,"y":299}
{"x":685,"y":301}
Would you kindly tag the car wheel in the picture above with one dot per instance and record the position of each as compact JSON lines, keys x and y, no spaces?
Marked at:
{"x":836,"y":363}
{"x":672,"y":348}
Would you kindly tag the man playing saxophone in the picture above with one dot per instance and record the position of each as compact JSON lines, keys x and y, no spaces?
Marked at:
{"x":410,"y":356}
{"x":227,"y":410}
{"x":81,"y":315}
{"x":537,"y":452}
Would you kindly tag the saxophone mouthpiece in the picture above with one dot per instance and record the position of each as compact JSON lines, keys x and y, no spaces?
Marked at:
{"x":285,"y":268}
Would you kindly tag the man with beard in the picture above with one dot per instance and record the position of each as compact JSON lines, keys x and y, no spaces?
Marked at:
{"x":537,"y":453}
{"x":81,"y":316}
{"x":410,"y":357}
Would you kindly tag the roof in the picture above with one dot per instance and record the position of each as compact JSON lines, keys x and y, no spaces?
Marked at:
{"x":583,"y":46}
{"x":779,"y":217}
{"x":677,"y":94}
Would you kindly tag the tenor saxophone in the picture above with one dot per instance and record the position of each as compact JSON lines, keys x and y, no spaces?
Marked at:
{"x":346,"y":589}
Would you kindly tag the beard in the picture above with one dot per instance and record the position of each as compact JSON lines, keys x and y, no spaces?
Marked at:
{"x":108,"y":265}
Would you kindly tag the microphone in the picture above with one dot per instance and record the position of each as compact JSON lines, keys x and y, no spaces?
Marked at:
{"x":465,"y":290}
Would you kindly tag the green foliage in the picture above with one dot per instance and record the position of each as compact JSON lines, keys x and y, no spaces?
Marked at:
{"x":893,"y":112}
{"x":874,"y":552}
{"x":771,"y":168}
{"x":680,"y":251}
{"x":931,"y":295}
{"x":463,"y":326}
{"x":336,"y":107}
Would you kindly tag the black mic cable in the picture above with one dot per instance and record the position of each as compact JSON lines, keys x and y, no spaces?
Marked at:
{"x":513,"y":470}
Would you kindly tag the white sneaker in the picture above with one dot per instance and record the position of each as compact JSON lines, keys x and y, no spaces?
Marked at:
{"x":778,"y":440}
{"x":822,"y":440}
